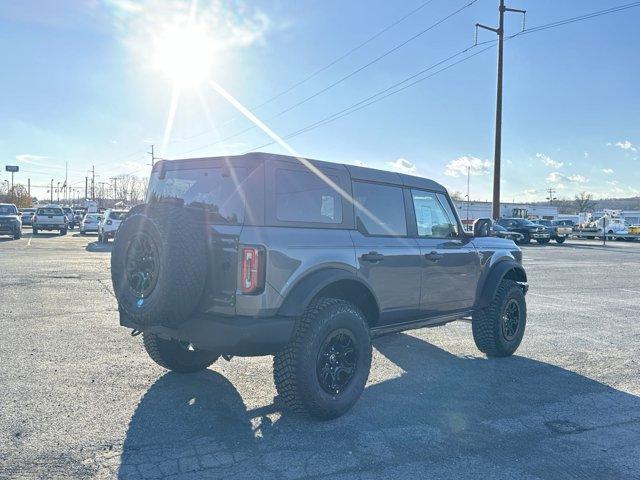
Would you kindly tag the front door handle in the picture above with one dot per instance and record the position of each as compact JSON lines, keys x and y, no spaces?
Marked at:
{"x":433,"y":256}
{"x":373,"y":257}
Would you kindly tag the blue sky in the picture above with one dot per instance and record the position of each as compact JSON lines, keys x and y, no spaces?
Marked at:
{"x":91,"y":83}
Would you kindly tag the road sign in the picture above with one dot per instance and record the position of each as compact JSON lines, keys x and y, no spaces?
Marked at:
{"x":11,"y":168}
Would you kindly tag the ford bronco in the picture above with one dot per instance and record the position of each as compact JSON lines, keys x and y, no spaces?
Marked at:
{"x":307,"y":261}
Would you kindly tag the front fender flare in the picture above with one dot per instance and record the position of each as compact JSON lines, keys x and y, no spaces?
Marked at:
{"x":488,"y":289}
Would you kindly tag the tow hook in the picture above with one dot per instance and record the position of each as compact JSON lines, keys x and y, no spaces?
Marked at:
{"x":135,"y":333}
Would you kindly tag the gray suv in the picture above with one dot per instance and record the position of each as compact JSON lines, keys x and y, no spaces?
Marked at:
{"x":307,"y":261}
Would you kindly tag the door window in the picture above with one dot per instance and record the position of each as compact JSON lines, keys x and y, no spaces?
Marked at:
{"x":382,"y":211}
{"x":432,"y":217}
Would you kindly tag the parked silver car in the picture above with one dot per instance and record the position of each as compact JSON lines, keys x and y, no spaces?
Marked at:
{"x":90,"y":223}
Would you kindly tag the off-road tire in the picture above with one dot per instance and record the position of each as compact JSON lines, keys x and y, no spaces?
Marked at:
{"x":175,"y":356}
{"x":543,"y":241}
{"x":560,"y":239}
{"x":294,"y":367}
{"x":17,"y":235}
{"x":487,"y":322}
{"x":63,"y":232}
{"x":179,"y":234}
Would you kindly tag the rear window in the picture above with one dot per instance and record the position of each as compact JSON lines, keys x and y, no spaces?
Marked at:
{"x":117,"y":215}
{"x":8,"y":210}
{"x":50,"y":211}
{"x":218,"y":190}
{"x":302,"y":196}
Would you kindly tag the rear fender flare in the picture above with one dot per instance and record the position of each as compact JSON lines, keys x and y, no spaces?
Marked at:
{"x":307,"y":288}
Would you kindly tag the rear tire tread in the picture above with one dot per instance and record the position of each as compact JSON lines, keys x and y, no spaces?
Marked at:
{"x":284,"y":362}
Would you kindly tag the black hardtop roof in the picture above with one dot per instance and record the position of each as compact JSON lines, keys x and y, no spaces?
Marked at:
{"x":356,"y":173}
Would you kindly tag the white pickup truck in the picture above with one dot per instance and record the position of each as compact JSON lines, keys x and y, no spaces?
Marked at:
{"x":557,"y":231}
{"x":50,"y":217}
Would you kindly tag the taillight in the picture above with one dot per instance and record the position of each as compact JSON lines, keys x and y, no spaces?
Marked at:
{"x":109,"y":222}
{"x":66,"y":220}
{"x":35,"y":218}
{"x":252,"y":278}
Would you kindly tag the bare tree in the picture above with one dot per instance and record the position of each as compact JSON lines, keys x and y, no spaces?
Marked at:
{"x":457,"y":196}
{"x":584,"y":202}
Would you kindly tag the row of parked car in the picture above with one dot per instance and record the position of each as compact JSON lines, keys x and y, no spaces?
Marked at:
{"x":54,"y":217}
{"x":523,"y":231}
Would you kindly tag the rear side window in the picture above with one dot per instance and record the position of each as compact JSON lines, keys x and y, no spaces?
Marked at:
{"x":382,"y":211}
{"x":50,"y":211}
{"x":219,"y":190}
{"x":304,"y":197}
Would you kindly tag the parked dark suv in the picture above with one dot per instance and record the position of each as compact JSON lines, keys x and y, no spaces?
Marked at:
{"x":528,"y":229}
{"x":265,"y":254}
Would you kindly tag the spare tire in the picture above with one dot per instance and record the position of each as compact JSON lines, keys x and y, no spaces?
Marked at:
{"x":158,"y":265}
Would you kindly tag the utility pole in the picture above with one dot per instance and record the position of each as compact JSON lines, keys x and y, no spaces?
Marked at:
{"x":498,"y":138}
{"x":86,"y":188}
{"x":551,"y":198}
{"x":58,"y":192}
{"x":153,"y":157}
{"x":93,"y":182}
{"x":115,"y":189}
{"x":51,"y":190}
{"x":29,"y":189}
{"x":468,"y":197}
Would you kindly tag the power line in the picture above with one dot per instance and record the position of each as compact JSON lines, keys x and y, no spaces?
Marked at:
{"x":579,"y":18}
{"x":344,"y":78}
{"x":371,"y":99}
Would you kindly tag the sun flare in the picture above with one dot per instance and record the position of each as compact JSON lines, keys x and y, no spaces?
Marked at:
{"x":184,"y":55}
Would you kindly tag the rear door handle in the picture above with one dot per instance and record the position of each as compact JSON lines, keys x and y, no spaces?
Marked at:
{"x":373,"y":257}
{"x":433,"y":256}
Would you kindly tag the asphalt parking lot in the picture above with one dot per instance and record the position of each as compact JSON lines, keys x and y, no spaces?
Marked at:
{"x":81,"y":399}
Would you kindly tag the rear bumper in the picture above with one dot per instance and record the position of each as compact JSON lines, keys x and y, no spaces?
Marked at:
{"x":242,"y":336}
{"x":49,"y":227}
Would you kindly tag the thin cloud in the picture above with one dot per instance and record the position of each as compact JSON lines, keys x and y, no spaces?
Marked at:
{"x":607,"y":171}
{"x":227,"y":25}
{"x":549,"y":162}
{"x":36,"y":161}
{"x":402,"y":165}
{"x":559,"y":179}
{"x":461,"y":165}
{"x":625,"y":145}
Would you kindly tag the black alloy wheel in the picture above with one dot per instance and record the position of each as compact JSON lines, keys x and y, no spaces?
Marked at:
{"x":337,"y":361}
{"x":142,"y":265}
{"x":511,"y":319}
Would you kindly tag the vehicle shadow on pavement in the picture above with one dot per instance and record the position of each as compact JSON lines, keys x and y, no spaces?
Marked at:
{"x":99,"y":247}
{"x":445,"y":417}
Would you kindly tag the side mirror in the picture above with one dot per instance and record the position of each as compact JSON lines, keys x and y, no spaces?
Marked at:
{"x":482,"y":227}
